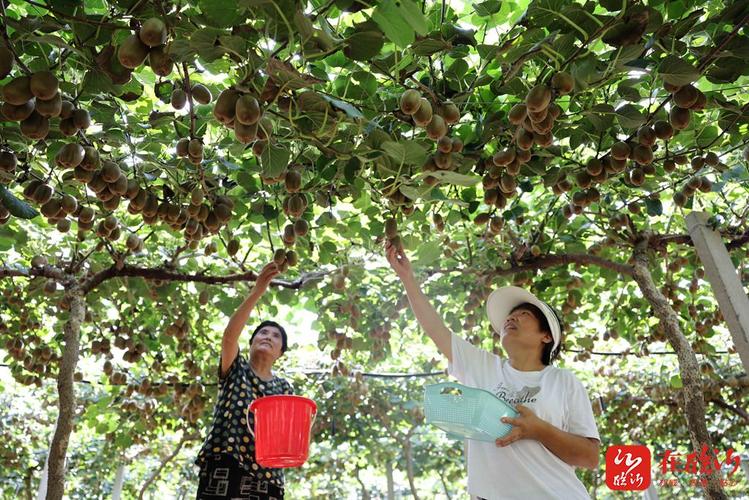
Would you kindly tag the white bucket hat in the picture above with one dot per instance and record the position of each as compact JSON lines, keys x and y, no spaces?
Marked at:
{"x":503,"y":300}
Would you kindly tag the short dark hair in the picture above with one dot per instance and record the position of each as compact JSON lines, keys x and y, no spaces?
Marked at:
{"x":549,"y":353}
{"x":284,"y":337}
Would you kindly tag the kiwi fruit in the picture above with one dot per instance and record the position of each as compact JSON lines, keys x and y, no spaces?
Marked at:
{"x":51,"y":208}
{"x":637,"y":176}
{"x":697,"y":163}
{"x":663,"y":130}
{"x":279,"y":256}
{"x":293,"y":181}
{"x":178,"y":99}
{"x":436,"y":128}
{"x":457,"y":145}
{"x":42,"y":194}
{"x":195,"y":147}
{"x":686,"y":96}
{"x":712,"y":159}
{"x":410,"y":101}
{"x":66,"y":109}
{"x":119,"y":187}
{"x":562,"y":83}
{"x":17,"y":113}
{"x":160,"y":61}
{"x":133,"y":189}
{"x":642,"y":154}
{"x":6,"y":61}
{"x":67,"y":127}
{"x":669,"y":165}
{"x":153,"y":32}
{"x":680,"y":199}
{"x":517,"y":114}
{"x":620,"y":150}
{"x":594,"y":166}
{"x":82,"y":119}
{"x":201,"y":94}
{"x":35,"y":126}
{"x":679,"y":117}
{"x":90,"y":159}
{"x":445,"y":144}
{"x":646,"y":136}
{"x":450,"y":112}
{"x":247,"y":110}
{"x":701,"y":102}
{"x":301,"y":228}
{"x":538,"y":98}
{"x":110,"y":171}
{"x":524,"y":139}
{"x":70,"y":155}
{"x":17,"y":91}
{"x":670,"y":88}
{"x":49,"y":107}
{"x":292,"y":259}
{"x":8,"y":161}
{"x":543,"y":140}
{"x":44,"y":85}
{"x":258,"y":147}
{"x":182,"y":147}
{"x":583,"y":179}
{"x":538,"y":116}
{"x":132,"y":53}
{"x":245,"y":134}
{"x":423,"y":116}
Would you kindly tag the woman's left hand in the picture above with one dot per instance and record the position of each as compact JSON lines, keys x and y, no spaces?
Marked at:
{"x":525,"y":426}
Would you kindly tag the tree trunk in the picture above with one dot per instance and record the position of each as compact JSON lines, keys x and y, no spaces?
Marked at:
{"x":119,"y":479}
{"x":691,"y":395}
{"x":163,"y":464}
{"x":391,"y":483}
{"x":364,"y":491}
{"x":66,"y":395}
{"x":27,"y":483}
{"x":444,"y":487}
{"x":410,"y":466}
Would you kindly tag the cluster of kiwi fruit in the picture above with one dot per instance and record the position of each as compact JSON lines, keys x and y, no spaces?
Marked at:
{"x":398,"y":200}
{"x":33,"y":100}
{"x":8,"y":162}
{"x":148,"y":42}
{"x":685,"y":100}
{"x":535,"y":117}
{"x":241,"y":111}
{"x":55,"y":207}
{"x":198,"y":93}
{"x":338,"y":279}
{"x":423,"y":114}
{"x":630,"y":28}
{"x":190,"y":148}
{"x":443,"y":159}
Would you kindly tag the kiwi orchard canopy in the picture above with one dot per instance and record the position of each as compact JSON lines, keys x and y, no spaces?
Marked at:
{"x":154,"y":155}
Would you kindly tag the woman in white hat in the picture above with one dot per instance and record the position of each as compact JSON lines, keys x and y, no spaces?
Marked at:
{"x":555,"y":430}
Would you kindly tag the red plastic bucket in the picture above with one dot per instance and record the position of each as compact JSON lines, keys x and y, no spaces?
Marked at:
{"x":282,"y":430}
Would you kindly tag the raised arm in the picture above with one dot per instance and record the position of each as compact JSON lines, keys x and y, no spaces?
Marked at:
{"x":426,"y":315}
{"x":230,"y":340}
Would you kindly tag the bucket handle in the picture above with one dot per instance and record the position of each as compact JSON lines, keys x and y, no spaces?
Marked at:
{"x":249,"y":428}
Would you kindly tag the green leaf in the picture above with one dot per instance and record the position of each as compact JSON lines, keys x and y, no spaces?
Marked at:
{"x":399,"y":19}
{"x":452,"y":177}
{"x":428,"y":253}
{"x":17,"y":208}
{"x":430,"y":46}
{"x":275,"y":159}
{"x":364,"y":45}
{"x":487,"y":8}
{"x":676,"y":382}
{"x":677,"y":71}
{"x":630,"y":116}
{"x":654,"y":206}
{"x":221,"y":14}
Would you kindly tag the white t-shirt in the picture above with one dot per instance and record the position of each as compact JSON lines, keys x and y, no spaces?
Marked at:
{"x":526,"y":469}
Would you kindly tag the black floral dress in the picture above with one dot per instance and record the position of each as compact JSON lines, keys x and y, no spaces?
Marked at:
{"x":227,"y":458}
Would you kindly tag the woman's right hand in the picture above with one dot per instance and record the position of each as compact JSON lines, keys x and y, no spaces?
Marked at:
{"x":398,"y":261}
{"x":266,"y":275}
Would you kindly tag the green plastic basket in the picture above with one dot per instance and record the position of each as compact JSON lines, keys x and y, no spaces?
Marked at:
{"x":466,"y":412}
